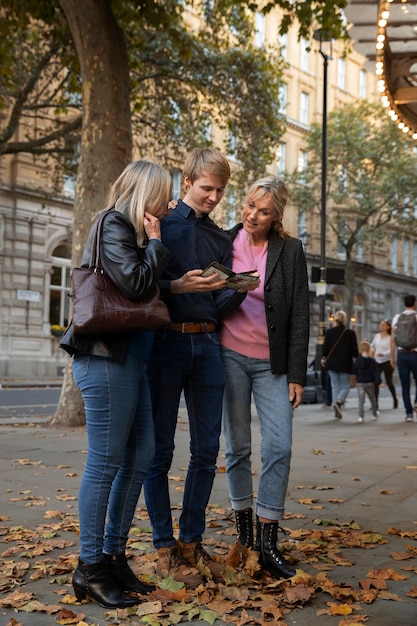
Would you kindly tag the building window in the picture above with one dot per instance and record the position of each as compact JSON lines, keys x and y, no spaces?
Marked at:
{"x":302,"y":163}
{"x":282,"y":95}
{"x":394,"y":254}
{"x":60,"y":286}
{"x":282,"y":158}
{"x":71,"y":161}
{"x":232,"y":204}
{"x":283,"y":45}
{"x":304,"y":106}
{"x":259,"y":30}
{"x":415,"y":258}
{"x":341,"y":73}
{"x":359,"y":246}
{"x":232,"y":146}
{"x":362,"y":84}
{"x":342,"y":232}
{"x":176,"y":183}
{"x":406,"y":254}
{"x":304,"y":55}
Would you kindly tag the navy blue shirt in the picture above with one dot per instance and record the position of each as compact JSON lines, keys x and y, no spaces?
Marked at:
{"x":194,"y":242}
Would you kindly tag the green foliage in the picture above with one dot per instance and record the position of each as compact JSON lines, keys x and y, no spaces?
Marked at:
{"x":371,"y":174}
{"x":182,"y":80}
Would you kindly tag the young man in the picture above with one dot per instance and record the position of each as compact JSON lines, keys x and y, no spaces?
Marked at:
{"x":187,"y":359}
{"x":406,"y":358}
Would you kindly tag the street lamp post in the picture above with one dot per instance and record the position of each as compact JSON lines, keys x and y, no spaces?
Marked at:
{"x":323,"y":37}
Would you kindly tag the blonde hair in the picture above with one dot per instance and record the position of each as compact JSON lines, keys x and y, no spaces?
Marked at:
{"x":340,"y":317}
{"x":278,"y":191}
{"x":365,"y":346}
{"x":209,"y":160}
{"x":143,"y":186}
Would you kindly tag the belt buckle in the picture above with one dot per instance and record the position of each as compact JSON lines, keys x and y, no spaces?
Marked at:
{"x":206,"y":326}
{"x":183,"y":327}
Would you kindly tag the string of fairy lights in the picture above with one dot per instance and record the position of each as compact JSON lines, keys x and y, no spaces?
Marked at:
{"x":386,"y":97}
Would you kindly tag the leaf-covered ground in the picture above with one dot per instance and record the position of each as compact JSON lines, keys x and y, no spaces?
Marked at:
{"x":48,"y":552}
{"x":347,"y":573}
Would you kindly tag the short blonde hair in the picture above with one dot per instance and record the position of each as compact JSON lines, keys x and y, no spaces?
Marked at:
{"x":209,"y":160}
{"x":143,"y":186}
{"x":364,"y":346}
{"x":278,"y":192}
{"x":340,"y":317}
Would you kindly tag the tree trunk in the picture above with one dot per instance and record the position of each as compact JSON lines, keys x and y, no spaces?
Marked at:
{"x":106,"y":138}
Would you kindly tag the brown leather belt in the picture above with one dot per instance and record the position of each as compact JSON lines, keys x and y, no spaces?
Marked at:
{"x":193,"y":327}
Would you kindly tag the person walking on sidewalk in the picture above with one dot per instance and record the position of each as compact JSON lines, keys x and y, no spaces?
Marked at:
{"x":110,"y":372}
{"x":339,"y":349}
{"x":187,"y":358}
{"x":367,"y":377}
{"x":264,"y":348}
{"x":404,"y":341}
{"x":381,"y":347}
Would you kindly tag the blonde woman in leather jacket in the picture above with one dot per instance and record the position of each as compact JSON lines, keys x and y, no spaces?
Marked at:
{"x":110,"y":371}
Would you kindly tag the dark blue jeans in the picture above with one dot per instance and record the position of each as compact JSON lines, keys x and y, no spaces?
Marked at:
{"x":120,"y":450}
{"x":190,"y":363}
{"x":407,"y":365}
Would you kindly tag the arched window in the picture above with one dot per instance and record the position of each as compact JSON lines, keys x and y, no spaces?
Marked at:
{"x":60,"y":286}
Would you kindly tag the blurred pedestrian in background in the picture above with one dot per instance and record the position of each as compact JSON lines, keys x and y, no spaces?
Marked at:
{"x":339,"y":349}
{"x":381,"y":351}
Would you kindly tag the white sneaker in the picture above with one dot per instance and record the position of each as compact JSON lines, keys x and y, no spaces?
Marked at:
{"x":360,"y":420}
{"x":375,"y":417}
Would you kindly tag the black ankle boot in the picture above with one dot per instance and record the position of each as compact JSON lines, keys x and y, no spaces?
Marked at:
{"x":123,"y":575}
{"x":94,"y":582}
{"x":257,"y":544}
{"x":270,"y":557}
{"x":244,"y":525}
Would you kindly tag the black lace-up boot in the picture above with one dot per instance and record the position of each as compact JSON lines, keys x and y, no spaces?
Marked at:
{"x":270,"y":557}
{"x":244,"y":526}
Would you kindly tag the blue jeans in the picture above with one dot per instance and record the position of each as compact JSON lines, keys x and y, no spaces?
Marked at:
{"x":246,"y":376}
{"x":120,"y":450}
{"x":190,"y":363}
{"x":340,"y":382}
{"x":407,"y":365}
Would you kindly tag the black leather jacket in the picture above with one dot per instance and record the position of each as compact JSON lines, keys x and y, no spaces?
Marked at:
{"x":134,"y":270}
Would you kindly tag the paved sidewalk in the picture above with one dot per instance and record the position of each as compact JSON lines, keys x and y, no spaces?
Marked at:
{"x":341,"y":470}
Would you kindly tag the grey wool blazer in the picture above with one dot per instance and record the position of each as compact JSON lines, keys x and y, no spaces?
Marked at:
{"x":286,"y":297}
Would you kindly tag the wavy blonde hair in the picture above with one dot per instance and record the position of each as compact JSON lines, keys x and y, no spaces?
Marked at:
{"x":278,"y":191}
{"x":142,"y":186}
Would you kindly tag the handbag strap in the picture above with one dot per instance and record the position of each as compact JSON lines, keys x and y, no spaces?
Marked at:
{"x":336,"y":342}
{"x":95,"y":258}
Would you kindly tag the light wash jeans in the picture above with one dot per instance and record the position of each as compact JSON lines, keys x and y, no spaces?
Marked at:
{"x":246,"y":376}
{"x":120,"y":450}
{"x":340,"y":382}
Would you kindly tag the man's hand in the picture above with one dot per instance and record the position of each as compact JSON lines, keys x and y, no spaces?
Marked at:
{"x":193,"y":282}
{"x":295,"y":394}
